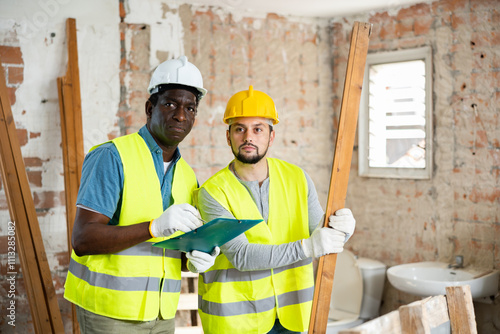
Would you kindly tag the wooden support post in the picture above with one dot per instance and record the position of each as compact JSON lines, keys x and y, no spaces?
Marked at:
{"x":72,"y":135}
{"x":422,"y":316}
{"x":412,"y":319}
{"x":461,"y":310}
{"x":341,"y":167}
{"x":71,"y":127}
{"x":42,"y":297}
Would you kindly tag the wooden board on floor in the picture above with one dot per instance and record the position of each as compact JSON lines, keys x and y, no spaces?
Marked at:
{"x":341,"y":166}
{"x":426,"y":316}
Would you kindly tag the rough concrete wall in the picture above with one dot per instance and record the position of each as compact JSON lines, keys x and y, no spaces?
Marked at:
{"x":288,"y":59}
{"x":458,"y":210}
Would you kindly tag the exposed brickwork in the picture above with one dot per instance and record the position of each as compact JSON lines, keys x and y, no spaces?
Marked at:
{"x":285,"y":59}
{"x":12,"y":62}
{"x":11,"y":55}
{"x":134,"y":76}
{"x":458,"y":210}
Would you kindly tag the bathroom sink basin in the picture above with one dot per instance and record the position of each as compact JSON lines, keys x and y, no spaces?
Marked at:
{"x":431,"y":278}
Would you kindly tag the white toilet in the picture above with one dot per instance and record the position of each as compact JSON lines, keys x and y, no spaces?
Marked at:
{"x":357,"y":291}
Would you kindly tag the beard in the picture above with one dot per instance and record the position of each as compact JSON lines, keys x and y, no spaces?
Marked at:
{"x":248,"y":159}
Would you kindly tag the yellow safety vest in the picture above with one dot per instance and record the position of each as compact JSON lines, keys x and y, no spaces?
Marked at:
{"x":142,"y":281}
{"x":232,"y":301}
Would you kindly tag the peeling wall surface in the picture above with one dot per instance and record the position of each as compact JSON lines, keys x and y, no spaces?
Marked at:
{"x":457,"y":212}
{"x":300,"y":63}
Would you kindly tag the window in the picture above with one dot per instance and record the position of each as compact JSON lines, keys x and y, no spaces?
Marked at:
{"x":395,"y":121}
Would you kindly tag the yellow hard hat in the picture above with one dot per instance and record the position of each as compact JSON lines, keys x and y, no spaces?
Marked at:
{"x":251,"y":103}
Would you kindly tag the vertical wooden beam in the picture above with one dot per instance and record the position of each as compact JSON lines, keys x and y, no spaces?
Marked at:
{"x":71,"y":126}
{"x":422,"y":316}
{"x":72,"y":134}
{"x":461,"y":310}
{"x":341,"y":167}
{"x":38,"y":279}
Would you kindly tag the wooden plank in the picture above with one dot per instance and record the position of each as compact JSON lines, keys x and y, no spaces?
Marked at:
{"x":64,"y":145}
{"x":32,"y":280}
{"x":44,"y":308}
{"x":71,"y":126}
{"x":69,"y":148}
{"x":461,"y":310}
{"x":341,"y":167}
{"x":73,"y":69}
{"x":422,"y":316}
{"x":71,"y":178}
{"x":72,"y":135}
{"x":386,"y":324}
{"x":436,"y":311}
{"x":413,"y":318}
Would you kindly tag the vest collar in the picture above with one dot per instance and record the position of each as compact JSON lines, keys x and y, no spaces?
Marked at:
{"x":154,"y":147}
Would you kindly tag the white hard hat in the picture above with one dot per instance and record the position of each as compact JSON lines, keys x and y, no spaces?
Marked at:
{"x":177,"y":71}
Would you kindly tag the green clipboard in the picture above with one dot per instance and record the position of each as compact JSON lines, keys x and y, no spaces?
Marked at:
{"x":214,"y":233}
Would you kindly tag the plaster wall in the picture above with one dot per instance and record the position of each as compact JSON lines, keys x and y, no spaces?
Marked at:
{"x":457,"y":211}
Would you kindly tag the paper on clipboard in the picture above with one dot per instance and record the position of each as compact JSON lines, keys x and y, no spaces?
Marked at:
{"x":214,"y":233}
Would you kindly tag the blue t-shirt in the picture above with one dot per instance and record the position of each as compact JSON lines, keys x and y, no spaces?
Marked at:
{"x":101,"y":184}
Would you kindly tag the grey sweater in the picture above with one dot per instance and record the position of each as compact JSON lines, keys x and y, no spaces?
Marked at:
{"x":245,"y":256}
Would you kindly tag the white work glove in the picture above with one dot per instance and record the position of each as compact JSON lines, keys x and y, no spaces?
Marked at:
{"x":180,"y":217}
{"x":324,"y":240}
{"x":343,"y":221}
{"x":200,"y":261}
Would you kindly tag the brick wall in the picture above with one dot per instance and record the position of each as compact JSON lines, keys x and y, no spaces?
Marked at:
{"x":458,"y":210}
{"x":284,"y":58}
{"x":134,"y":76}
{"x":288,"y":60}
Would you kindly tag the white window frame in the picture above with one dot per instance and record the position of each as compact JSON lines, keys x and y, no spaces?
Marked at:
{"x":424,"y":53}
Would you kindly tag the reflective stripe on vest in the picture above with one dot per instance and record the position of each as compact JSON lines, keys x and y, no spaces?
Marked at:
{"x":142,"y":281}
{"x":230,"y":300}
{"x":242,"y":308}
{"x":234,"y":275}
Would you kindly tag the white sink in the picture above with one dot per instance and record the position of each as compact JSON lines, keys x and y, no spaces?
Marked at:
{"x":431,"y":278}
